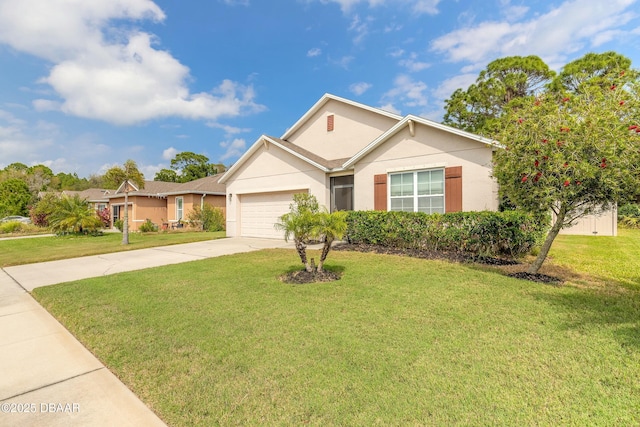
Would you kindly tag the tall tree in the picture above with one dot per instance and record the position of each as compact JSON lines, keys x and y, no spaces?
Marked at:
{"x":479,"y":108}
{"x":124,"y":175}
{"x":166,"y":175}
{"x":571,"y":153}
{"x":14,"y":197}
{"x":188,"y":166}
{"x":594,"y":68}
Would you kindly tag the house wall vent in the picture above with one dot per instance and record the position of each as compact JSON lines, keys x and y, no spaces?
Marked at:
{"x":330,"y":123}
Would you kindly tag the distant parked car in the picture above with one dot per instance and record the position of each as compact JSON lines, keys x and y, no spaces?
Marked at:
{"x":16,"y":218}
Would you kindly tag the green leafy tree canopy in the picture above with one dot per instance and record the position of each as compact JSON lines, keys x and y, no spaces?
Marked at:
{"x":571,"y":153}
{"x":188,"y":166}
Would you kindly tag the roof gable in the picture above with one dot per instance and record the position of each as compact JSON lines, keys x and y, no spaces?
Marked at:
{"x":411,"y":121}
{"x":324,"y":100}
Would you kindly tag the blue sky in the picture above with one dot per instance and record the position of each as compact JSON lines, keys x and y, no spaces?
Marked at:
{"x":85,"y":85}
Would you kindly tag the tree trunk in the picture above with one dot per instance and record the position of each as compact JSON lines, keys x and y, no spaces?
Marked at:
{"x":125,"y":223}
{"x":325,"y":251}
{"x":546,"y":246}
{"x":302,"y":252}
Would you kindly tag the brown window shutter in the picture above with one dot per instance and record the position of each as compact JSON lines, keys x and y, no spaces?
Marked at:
{"x":380,"y":192}
{"x":330,"y":123}
{"x":453,"y":189}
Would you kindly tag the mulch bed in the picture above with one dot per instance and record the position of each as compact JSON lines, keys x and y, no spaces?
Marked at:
{"x":448,"y":256}
{"x":303,"y":276}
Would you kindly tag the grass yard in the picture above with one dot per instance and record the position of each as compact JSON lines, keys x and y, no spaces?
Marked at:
{"x":604,"y":258}
{"x":40,"y":249}
{"x":397,"y":341}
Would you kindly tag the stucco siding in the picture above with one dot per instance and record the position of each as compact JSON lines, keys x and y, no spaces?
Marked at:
{"x":354,"y":128}
{"x":144,"y":208}
{"x":272,"y":170}
{"x":430,"y":148}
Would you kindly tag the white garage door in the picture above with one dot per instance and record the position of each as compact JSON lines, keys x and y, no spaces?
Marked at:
{"x":260,"y":211}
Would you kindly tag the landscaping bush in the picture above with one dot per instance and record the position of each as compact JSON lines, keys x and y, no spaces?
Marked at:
{"x":629,"y":215}
{"x":148,"y":227}
{"x":207,"y":218}
{"x":119,"y":224}
{"x":12,"y":227}
{"x":41,"y":211}
{"x":509,"y":233}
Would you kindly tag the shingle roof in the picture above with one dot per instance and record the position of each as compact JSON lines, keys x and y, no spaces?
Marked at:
{"x":207,"y":185}
{"x":90,"y":194}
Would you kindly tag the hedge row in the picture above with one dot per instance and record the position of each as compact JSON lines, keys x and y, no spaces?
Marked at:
{"x":509,"y":233}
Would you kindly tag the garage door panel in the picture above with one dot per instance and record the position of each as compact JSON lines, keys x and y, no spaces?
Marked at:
{"x":260,"y":211}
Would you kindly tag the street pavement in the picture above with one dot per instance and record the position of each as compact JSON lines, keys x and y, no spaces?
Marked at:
{"x":47,"y":378}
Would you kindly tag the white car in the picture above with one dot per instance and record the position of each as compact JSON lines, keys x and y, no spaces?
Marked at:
{"x":16,"y":218}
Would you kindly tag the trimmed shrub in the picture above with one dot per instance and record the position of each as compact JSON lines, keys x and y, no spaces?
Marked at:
{"x":629,"y":215}
{"x":148,"y":227}
{"x":119,"y":224}
{"x":207,"y":218}
{"x":509,"y":233}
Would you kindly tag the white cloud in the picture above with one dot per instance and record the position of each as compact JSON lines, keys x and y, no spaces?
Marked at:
{"x":234,"y":149}
{"x":396,"y":52}
{"x":360,"y":28}
{"x":316,"y":51}
{"x":236,"y":2}
{"x":169,"y":153}
{"x":447,"y":87}
{"x":228,"y":130}
{"x":564,"y":30}
{"x":417,"y":6}
{"x":103,"y":72}
{"x":342,"y":62}
{"x":359,"y":88}
{"x":406,"y":91}
{"x":390,"y":108}
{"x":413,"y":64}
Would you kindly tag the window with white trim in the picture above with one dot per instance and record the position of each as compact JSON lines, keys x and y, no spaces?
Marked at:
{"x":417,"y":191}
{"x":179,"y":207}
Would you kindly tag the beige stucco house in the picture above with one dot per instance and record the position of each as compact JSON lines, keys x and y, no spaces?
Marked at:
{"x":165,"y":203}
{"x":355,"y":157}
{"x":352,"y":156}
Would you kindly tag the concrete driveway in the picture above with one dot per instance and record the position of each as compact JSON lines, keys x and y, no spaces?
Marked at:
{"x":46,"y":376}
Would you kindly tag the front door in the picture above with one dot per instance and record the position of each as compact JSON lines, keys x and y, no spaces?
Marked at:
{"x":115,"y":214}
{"x":342,"y":193}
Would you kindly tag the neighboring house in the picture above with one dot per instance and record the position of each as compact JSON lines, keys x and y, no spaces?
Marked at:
{"x":97,"y":197}
{"x":352,"y":156}
{"x":355,"y":157}
{"x":166,"y":203}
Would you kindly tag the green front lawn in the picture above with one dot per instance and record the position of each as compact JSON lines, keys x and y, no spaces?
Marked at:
{"x":40,"y":249}
{"x":397,"y":341}
{"x":603,"y":258}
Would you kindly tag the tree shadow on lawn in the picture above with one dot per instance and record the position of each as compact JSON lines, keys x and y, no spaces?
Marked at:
{"x":614,"y":307}
{"x":297,"y":276}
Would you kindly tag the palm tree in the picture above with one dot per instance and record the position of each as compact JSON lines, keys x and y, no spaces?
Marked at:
{"x":330,"y":226}
{"x":125,"y":176}
{"x":301,"y":223}
{"x":73,"y":214}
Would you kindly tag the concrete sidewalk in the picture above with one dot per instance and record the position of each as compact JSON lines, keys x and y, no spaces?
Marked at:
{"x":46,"y":376}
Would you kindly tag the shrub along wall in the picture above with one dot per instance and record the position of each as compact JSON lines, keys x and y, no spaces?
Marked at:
{"x":509,"y":233}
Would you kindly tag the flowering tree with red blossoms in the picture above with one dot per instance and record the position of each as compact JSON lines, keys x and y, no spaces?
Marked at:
{"x":571,"y":153}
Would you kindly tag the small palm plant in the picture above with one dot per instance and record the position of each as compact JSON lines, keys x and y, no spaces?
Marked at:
{"x":74,"y":215}
{"x":330,"y":226}
{"x":300,"y":222}
{"x":306,"y":222}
